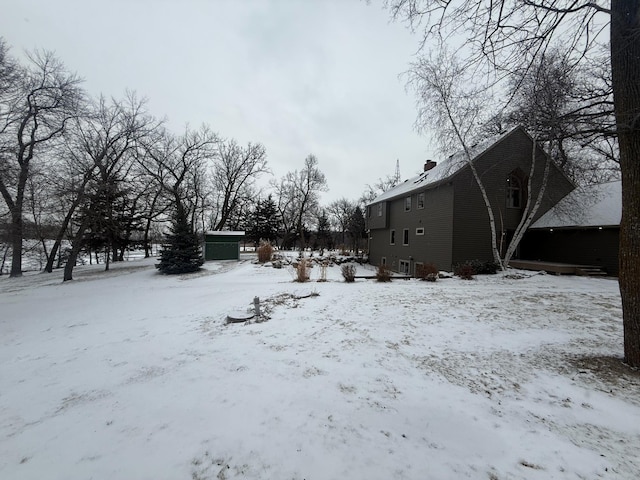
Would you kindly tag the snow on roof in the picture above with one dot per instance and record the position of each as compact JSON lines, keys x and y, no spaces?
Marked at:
{"x":225,"y":232}
{"x":591,"y":206}
{"x":444,"y":170}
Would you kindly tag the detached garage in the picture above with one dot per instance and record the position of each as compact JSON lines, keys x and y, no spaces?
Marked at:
{"x":222,"y":245}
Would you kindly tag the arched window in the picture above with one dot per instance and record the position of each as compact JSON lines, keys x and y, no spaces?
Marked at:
{"x":514,"y":191}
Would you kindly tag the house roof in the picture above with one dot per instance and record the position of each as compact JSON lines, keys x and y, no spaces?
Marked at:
{"x":591,"y":206}
{"x":444,"y":170}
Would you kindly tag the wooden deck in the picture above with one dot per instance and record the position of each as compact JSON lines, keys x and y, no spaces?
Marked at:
{"x":558,"y":268}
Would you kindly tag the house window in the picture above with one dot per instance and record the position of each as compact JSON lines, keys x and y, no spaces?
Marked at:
{"x":369,"y":211}
{"x":379,"y":209}
{"x":392,"y":240}
{"x":420,"y":231}
{"x":514,"y":192}
{"x":407,"y":204}
{"x":405,"y":266}
{"x":420,"y":200}
{"x":405,"y":236}
{"x":383,"y":261}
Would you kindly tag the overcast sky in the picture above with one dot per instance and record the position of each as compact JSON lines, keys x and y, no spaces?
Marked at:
{"x":299,"y":76}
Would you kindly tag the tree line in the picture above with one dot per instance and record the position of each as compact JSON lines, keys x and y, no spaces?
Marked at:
{"x":103,"y":173}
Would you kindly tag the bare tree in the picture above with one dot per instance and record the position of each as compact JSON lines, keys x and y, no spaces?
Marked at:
{"x":235,"y":170}
{"x":179,"y":165}
{"x":504,"y":34}
{"x":340,"y":212}
{"x":36,"y":113}
{"x":298,"y":194}
{"x":103,"y":149}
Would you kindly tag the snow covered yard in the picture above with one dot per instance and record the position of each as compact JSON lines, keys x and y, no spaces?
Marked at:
{"x":132,"y":375}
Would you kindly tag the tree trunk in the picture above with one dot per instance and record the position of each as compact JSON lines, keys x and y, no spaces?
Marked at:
{"x":625,"y":69}
{"x":76,"y":246}
{"x":17,"y":230}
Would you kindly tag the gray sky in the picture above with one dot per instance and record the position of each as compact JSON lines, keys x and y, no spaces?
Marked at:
{"x":299,"y":76}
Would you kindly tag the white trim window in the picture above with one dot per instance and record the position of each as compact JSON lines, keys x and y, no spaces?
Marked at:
{"x":420,"y":200}
{"x":407,"y":203}
{"x":404,"y":267}
{"x":380,"y":209}
{"x":405,"y":237}
{"x":383,"y":261}
{"x":420,"y":231}
{"x":392,"y":238}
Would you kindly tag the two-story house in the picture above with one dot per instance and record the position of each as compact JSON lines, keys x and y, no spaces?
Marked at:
{"x":440,"y":217}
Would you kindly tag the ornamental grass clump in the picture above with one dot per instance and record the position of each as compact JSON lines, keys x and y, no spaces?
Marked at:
{"x":265,"y":252}
{"x":302,"y":271}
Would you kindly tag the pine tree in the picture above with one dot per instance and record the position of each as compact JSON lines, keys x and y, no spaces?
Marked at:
{"x":182,"y":252}
{"x":357,"y":228}
{"x":265,"y":222}
{"x":324,"y":231}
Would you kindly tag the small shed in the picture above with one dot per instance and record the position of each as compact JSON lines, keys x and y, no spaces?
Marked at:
{"x":222,"y":245}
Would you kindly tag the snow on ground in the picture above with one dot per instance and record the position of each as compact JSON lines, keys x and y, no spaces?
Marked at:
{"x":129,"y":374}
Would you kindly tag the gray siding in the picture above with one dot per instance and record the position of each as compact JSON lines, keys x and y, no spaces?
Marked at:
{"x":455,"y":219}
{"x":472,"y":232}
{"x":436,"y":218}
{"x":373,"y":218}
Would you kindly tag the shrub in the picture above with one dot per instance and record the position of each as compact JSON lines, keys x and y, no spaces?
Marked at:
{"x":265,"y":252}
{"x":383,"y":274}
{"x":348,"y":273}
{"x":489,"y":268}
{"x":425,"y":270}
{"x":464,"y":270}
{"x":480,"y":267}
{"x":302,"y":271}
{"x":323,"y":272}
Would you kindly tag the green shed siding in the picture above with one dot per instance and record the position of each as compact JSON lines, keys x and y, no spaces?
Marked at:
{"x":222,"y":246}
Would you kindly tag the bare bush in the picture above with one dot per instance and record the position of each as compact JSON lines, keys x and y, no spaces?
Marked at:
{"x":465,"y":271}
{"x":383,"y":273}
{"x":348,"y":273}
{"x":323,"y":272}
{"x":426,"y":271}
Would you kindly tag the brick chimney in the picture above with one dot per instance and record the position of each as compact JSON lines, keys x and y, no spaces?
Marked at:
{"x":429,"y":164}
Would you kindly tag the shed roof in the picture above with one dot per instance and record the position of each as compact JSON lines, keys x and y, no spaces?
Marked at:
{"x":444,"y":170}
{"x":597,"y":205}
{"x":229,"y":233}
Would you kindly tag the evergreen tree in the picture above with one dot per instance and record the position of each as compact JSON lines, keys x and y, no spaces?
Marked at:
{"x":323,"y":238}
{"x":266,"y":221}
{"x":182,"y":252}
{"x":357,"y":228}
